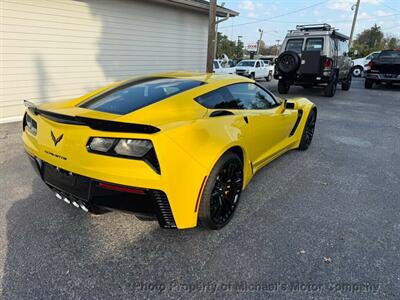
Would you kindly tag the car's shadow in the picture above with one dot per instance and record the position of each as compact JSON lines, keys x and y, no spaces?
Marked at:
{"x":57,"y":251}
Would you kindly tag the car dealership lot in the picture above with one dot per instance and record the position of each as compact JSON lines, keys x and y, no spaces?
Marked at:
{"x":317,"y":224}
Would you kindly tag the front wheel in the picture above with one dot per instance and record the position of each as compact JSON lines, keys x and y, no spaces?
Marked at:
{"x":222,"y":191}
{"x":347,"y":83}
{"x":308,"y":131}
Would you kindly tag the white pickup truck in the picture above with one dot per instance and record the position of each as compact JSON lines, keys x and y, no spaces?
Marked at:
{"x":254,"y":69}
{"x":360,"y":64}
{"x":219,"y":69}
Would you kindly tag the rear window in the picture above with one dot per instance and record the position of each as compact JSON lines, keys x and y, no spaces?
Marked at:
{"x":140,"y":93}
{"x":295,"y":45}
{"x":316,"y":44}
{"x":390,"y":54}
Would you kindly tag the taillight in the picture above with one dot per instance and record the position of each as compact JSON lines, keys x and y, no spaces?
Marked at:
{"x":328,"y":63}
{"x":371,"y":64}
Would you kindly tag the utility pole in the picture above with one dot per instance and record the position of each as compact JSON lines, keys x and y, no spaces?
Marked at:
{"x":259,"y":41}
{"x":357,"y":6}
{"x":277,"y":46}
{"x":211,"y":36}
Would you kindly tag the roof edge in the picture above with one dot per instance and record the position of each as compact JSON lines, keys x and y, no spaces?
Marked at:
{"x":201,"y":5}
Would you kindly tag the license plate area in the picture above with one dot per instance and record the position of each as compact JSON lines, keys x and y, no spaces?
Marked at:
{"x":64,"y":180}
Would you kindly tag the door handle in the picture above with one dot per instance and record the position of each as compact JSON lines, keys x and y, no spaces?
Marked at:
{"x":246,"y":119}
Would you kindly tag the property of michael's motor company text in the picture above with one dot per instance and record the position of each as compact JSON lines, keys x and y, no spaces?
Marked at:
{"x":265,"y":287}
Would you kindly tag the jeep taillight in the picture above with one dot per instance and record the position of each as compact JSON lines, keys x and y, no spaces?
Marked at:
{"x":328,"y":63}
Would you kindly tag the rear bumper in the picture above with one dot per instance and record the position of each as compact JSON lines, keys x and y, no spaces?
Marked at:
{"x":90,"y":193}
{"x":301,"y":79}
{"x":383,"y":77}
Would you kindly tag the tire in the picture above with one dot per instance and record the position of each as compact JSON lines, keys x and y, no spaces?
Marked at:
{"x":253,"y":76}
{"x":357,"y":71}
{"x":222,"y":192}
{"x":283,"y":86}
{"x":330,"y":89}
{"x":269,"y":77}
{"x":288,"y":62}
{"x":308,"y":131}
{"x":368,"y":83}
{"x":347,"y":83}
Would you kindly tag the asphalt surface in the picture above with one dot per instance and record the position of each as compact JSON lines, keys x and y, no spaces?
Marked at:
{"x":320,"y":224}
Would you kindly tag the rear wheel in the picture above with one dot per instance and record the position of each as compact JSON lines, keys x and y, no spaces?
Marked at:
{"x":330,"y":89}
{"x":283,"y":86}
{"x":368,"y":83}
{"x":222,"y":191}
{"x":357,"y":71}
{"x":308,"y":131}
{"x":269,"y":77}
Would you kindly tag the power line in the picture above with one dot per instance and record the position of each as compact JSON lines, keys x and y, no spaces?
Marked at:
{"x":281,"y":15}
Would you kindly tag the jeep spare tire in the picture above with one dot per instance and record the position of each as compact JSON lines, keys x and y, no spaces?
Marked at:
{"x":288,"y":62}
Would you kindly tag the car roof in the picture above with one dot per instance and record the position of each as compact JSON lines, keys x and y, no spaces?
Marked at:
{"x":204,"y":77}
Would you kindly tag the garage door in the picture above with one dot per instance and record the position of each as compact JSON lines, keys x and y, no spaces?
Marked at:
{"x":59,"y":49}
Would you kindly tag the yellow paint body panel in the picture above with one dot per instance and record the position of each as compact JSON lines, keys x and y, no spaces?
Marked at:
{"x":188,"y":144}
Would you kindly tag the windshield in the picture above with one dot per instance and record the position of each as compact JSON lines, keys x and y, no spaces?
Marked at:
{"x":295,"y":45}
{"x":246,"y":63}
{"x":137,"y":94}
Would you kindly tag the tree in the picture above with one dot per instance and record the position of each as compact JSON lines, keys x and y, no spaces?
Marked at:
{"x":228,"y":47}
{"x":373,"y":39}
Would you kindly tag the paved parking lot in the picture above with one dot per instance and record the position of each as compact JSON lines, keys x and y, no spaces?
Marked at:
{"x":319,"y":224}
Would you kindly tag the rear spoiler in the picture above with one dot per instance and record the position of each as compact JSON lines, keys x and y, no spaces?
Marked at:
{"x":96,"y":124}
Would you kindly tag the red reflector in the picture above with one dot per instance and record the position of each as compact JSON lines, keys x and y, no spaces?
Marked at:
{"x":121,"y":188}
{"x":370,"y":64}
{"x":199,"y":195}
{"x":328,"y":64}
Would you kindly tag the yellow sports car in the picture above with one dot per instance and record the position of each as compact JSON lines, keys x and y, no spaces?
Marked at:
{"x":178,"y":147}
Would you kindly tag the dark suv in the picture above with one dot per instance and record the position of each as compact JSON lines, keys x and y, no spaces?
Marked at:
{"x":314,"y":55}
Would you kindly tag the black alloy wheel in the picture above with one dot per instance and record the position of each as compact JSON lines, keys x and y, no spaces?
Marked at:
{"x":308,"y":131}
{"x":222,"y":191}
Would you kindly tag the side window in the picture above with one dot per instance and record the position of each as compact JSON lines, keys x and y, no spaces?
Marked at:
{"x":257,"y":64}
{"x":238,"y":96}
{"x":346,"y":48}
{"x":250,"y":96}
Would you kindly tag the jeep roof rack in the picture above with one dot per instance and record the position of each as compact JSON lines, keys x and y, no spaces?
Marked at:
{"x":323,"y":27}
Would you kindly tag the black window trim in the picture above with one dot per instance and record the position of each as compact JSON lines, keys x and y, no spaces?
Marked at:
{"x":277,"y":102}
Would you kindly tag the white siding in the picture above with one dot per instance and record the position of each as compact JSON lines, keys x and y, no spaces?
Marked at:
{"x":60,"y":49}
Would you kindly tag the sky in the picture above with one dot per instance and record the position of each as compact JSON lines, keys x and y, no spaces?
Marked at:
{"x":276,"y":17}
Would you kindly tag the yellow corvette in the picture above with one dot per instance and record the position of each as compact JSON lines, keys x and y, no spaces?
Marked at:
{"x":178,"y":147}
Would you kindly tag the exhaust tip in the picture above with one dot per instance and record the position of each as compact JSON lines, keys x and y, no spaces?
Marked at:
{"x":66,"y":200}
{"x":84,"y":208}
{"x":75,"y":204}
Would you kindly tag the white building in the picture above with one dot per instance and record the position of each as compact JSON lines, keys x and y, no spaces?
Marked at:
{"x":59,"y":49}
